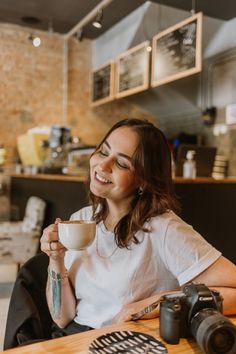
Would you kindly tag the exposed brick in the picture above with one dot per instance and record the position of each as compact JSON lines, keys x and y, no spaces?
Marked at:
{"x":31,"y":88}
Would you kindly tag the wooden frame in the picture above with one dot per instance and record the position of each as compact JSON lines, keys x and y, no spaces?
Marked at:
{"x":103,"y":81}
{"x":177,"y":51}
{"x":132,"y":65}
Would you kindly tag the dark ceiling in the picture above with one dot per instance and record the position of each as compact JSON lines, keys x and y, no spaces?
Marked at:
{"x":65,"y":14}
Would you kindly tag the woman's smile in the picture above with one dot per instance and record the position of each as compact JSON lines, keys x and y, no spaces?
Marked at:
{"x":101,"y":179}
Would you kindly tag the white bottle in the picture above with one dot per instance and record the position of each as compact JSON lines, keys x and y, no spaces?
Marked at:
{"x":189,"y":166}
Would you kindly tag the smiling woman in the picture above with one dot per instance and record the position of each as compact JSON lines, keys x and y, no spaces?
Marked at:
{"x":121,"y":159}
{"x":141,"y":250}
{"x":111,"y":170}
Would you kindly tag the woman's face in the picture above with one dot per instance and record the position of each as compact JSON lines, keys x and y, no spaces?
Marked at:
{"x":111,"y":171}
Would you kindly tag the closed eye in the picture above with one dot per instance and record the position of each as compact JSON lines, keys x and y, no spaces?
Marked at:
{"x":103,"y":153}
{"x":122,"y":165}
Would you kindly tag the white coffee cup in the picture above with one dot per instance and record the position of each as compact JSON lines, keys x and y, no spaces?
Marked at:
{"x":76,"y":234}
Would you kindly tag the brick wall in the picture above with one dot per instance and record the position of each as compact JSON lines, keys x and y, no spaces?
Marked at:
{"x":31,"y":88}
{"x":30,"y":83}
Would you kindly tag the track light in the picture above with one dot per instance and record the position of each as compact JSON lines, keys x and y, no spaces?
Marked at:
{"x":98,"y":20}
{"x":79,"y":35}
{"x":36,"y":41}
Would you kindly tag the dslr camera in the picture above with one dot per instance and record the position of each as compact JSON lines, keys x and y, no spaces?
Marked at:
{"x":197,"y":312}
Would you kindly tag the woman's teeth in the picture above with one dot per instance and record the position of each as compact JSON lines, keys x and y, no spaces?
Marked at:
{"x":101,"y":179}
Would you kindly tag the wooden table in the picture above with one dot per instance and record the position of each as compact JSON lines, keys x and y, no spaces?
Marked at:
{"x":79,"y":343}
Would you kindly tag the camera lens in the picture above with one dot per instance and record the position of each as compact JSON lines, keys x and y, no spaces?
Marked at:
{"x":222,"y":341}
{"x":214,"y":333}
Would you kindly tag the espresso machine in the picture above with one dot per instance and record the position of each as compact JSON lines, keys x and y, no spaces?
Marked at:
{"x":58,"y":147}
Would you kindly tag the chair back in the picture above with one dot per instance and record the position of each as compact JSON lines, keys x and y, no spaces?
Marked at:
{"x":28,"y":314}
{"x":34,"y":214}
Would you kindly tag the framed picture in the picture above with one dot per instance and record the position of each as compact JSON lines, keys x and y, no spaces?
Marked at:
{"x":132,"y":70}
{"x":177,"y":51}
{"x":103,"y":84}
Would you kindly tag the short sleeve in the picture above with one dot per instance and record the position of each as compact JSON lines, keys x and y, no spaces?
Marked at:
{"x":186,"y":252}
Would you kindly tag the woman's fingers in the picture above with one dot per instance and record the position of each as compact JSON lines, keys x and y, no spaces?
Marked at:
{"x":53,"y":249}
{"x":57,"y":221}
{"x":52,"y":246}
{"x":50,"y":233}
{"x":49,"y":241}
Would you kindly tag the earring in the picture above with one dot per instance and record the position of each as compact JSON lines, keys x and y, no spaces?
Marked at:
{"x":140,"y":191}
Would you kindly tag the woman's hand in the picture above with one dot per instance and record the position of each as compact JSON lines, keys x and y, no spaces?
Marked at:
{"x":130,"y":309}
{"x":50,"y":243}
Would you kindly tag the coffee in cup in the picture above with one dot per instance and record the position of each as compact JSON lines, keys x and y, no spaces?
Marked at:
{"x":76,"y":234}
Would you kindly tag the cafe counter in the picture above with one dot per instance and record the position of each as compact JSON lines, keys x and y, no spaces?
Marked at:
{"x":76,"y":178}
{"x":63,"y":194}
{"x":207,"y":204}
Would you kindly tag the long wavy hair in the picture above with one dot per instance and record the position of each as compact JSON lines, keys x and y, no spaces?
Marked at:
{"x":152,"y":166}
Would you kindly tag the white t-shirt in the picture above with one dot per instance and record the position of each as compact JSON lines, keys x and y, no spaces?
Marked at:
{"x":106,"y":277}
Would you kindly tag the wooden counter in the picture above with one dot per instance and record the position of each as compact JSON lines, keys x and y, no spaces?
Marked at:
{"x":49,"y":177}
{"x":204,"y":180}
{"x":63,"y":194}
{"x":79,"y":343}
{"x":69,"y":178}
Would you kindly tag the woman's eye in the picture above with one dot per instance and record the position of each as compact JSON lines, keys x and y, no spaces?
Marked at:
{"x":103,"y":153}
{"x":122,"y":165}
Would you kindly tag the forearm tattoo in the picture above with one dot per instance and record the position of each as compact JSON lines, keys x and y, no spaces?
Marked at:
{"x":55,"y":283}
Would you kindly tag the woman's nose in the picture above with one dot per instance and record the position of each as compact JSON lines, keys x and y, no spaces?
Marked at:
{"x":106,"y":164}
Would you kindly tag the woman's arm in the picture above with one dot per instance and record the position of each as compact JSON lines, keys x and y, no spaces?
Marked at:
{"x":135,"y":307}
{"x":220,"y":276}
{"x":60,"y":295}
{"x":59,"y":292}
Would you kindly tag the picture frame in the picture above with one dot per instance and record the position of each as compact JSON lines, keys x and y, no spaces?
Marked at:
{"x":132,"y":70}
{"x":177,"y":51}
{"x":103,"y":84}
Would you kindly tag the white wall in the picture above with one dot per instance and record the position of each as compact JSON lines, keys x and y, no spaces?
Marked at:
{"x":222,"y":38}
{"x":151,"y":18}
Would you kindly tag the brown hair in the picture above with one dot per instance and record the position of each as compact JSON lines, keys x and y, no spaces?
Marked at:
{"x":152,"y":166}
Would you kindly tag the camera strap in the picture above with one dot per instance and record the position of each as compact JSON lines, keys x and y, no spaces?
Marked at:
{"x":145,"y":310}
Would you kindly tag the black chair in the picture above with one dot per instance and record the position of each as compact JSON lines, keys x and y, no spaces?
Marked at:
{"x":29,"y":319}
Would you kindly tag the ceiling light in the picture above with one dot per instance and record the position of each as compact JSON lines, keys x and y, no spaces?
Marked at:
{"x":193,"y":9}
{"x":36,"y":41}
{"x":98,"y":20}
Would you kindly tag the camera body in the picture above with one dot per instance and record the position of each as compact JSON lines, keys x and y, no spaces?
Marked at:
{"x":178,"y":310}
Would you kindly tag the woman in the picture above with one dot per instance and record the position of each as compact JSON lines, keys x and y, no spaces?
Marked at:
{"x":142,"y":249}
